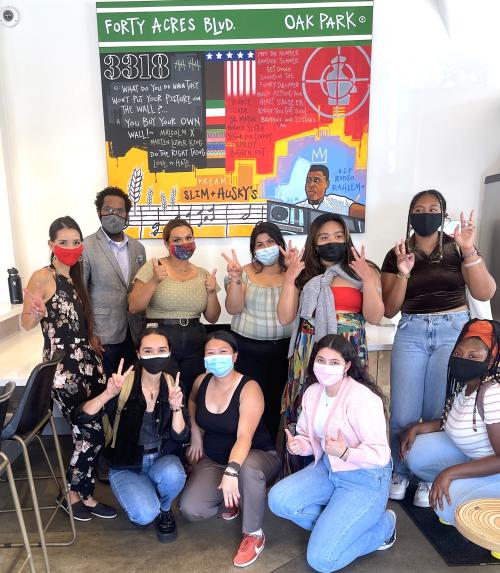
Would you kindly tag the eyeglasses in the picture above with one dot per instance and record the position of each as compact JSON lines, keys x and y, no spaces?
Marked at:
{"x":112,"y":211}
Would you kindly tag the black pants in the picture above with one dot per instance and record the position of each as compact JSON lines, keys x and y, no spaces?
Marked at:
{"x":267,"y":363}
{"x":113,"y":353}
{"x":187,"y":346}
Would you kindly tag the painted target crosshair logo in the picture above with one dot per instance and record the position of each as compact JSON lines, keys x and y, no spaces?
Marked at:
{"x":336,"y":81}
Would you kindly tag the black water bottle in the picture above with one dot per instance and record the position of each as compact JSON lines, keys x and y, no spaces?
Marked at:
{"x":15,"y":286}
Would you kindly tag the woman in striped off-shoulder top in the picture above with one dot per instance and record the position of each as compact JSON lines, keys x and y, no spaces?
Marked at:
{"x":462,"y":461}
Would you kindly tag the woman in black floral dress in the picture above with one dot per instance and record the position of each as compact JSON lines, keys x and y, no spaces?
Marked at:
{"x":56,"y":298}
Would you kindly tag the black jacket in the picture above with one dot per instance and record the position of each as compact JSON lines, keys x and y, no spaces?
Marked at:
{"x":127,"y":453}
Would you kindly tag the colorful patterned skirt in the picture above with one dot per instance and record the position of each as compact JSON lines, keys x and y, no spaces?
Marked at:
{"x":351,"y":325}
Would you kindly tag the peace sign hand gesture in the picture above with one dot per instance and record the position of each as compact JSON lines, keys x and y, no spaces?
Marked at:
{"x":293,"y":261}
{"x":116,"y":380}
{"x":359,"y":264}
{"x":174,"y":392}
{"x":404,"y":260}
{"x":234,"y":269}
{"x":465,"y":233}
{"x":289,"y":253}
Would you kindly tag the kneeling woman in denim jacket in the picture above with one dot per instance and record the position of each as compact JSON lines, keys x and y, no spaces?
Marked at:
{"x":145,"y":473}
{"x":341,"y":496}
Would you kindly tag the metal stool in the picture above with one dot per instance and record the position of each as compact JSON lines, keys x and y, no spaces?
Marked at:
{"x":5,"y":467}
{"x":28,"y":422}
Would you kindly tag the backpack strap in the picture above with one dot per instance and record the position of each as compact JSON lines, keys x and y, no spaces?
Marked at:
{"x":111,"y":432}
{"x":480,"y":396}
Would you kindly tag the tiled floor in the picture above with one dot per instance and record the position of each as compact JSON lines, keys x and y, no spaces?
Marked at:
{"x":116,"y":546}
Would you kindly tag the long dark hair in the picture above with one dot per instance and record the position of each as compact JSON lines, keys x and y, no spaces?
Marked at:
{"x":274,"y":232}
{"x":341,"y":345}
{"x":410,"y":241}
{"x":454,"y":387}
{"x":76,"y":271}
{"x":313,"y":266}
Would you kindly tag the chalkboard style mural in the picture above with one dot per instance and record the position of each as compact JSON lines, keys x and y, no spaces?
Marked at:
{"x":227,"y":115}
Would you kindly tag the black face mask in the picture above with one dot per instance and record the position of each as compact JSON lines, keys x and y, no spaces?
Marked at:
{"x":155,"y":364}
{"x":332,"y":252}
{"x":425,"y":223}
{"x":463,"y":369}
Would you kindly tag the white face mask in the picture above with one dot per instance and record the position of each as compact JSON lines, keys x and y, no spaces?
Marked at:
{"x":329,"y":374}
{"x":268,"y":256}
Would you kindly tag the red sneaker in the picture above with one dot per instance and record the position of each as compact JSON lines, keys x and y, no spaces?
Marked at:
{"x":230,"y":513}
{"x":249,"y":550}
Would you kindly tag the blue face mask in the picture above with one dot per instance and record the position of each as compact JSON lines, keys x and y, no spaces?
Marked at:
{"x":219,"y":364}
{"x":268,"y":256}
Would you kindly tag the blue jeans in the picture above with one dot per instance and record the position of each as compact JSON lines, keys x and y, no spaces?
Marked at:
{"x":433,"y":453}
{"x":345,"y":511}
{"x":419,"y":365}
{"x":143,"y":493}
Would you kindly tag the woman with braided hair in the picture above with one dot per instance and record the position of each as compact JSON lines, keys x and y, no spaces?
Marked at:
{"x":462,"y":461}
{"x":425,"y":277}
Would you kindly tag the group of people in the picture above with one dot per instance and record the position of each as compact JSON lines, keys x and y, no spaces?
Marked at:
{"x":143,"y":384}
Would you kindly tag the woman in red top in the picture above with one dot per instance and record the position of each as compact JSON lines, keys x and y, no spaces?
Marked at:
{"x":339,"y":291}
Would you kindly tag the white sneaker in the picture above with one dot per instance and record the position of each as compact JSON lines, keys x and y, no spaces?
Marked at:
{"x":388,"y":543}
{"x":421,"y":498}
{"x":398,"y":487}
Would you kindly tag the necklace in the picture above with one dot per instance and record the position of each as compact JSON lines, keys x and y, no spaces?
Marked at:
{"x":426,"y":251}
{"x":328,"y":399}
{"x":150,"y":393}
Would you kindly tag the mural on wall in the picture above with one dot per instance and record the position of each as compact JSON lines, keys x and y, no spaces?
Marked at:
{"x":230,"y":115}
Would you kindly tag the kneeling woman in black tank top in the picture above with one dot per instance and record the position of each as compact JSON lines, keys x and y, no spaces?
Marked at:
{"x":232,"y":453}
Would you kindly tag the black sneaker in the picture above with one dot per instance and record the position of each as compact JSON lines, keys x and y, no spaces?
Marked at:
{"x":80,"y":510}
{"x":388,"y":543}
{"x":166,"y":530}
{"x":102,"y":510}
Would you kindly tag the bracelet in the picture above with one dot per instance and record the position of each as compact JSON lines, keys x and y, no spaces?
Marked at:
{"x":476,"y":262}
{"x":234,"y":465}
{"x":471,"y":254}
{"x":343,"y":454}
{"x":402,"y":276}
{"x":100,"y":400}
{"x":226,"y":473}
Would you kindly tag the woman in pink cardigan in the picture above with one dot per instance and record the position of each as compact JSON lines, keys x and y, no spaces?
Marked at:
{"x":341,"y":497}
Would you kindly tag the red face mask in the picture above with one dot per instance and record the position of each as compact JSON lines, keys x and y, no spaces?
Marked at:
{"x":68,"y":257}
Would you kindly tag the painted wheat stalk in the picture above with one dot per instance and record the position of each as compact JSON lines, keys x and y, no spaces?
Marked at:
{"x":173,"y":195}
{"x":163,"y":200}
{"x":135,"y":186}
{"x":150,"y":196}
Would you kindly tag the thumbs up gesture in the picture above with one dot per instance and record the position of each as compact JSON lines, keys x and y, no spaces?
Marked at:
{"x":335,"y":446}
{"x":293,"y":444}
{"x":174,"y":392}
{"x":159,"y":271}
{"x":210,"y":282}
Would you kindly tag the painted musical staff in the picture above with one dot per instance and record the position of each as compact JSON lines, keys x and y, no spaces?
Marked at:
{"x":197,"y":214}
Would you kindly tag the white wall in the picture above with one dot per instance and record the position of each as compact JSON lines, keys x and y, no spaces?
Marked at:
{"x":434,"y":118}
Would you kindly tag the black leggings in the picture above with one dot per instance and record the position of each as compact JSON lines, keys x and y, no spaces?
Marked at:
{"x":266,"y":362}
{"x":187,"y":346}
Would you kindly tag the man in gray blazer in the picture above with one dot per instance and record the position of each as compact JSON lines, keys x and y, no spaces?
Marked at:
{"x":111,"y":260}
